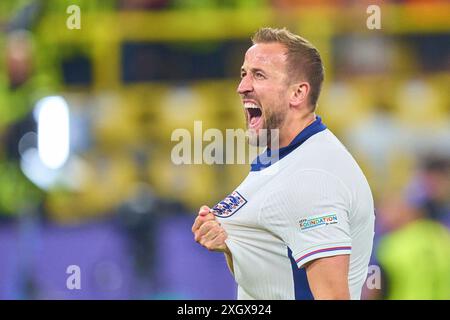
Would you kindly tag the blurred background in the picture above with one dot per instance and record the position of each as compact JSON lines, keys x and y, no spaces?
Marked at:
{"x":86,"y":117}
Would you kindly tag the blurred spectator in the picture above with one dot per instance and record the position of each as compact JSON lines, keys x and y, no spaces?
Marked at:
{"x":16,"y":191}
{"x":414,"y":253}
{"x":430,"y":189}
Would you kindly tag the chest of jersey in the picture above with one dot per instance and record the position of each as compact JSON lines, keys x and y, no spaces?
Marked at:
{"x":257,"y":253}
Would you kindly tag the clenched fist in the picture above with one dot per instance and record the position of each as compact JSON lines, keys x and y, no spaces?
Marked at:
{"x":208,"y":231}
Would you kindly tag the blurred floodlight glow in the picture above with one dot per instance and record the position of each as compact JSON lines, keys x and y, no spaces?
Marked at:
{"x":32,"y":166}
{"x":53,"y":131}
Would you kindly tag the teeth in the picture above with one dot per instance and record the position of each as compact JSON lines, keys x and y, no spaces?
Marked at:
{"x":250,"y":105}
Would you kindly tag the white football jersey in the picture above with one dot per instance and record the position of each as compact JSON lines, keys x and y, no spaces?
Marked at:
{"x":314,"y":202}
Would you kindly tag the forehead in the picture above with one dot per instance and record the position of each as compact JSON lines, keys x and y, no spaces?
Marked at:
{"x":265,"y":55}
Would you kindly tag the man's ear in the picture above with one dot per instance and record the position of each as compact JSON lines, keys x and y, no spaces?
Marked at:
{"x":300,"y":92}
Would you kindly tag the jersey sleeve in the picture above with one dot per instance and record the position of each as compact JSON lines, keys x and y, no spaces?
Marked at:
{"x":310,"y":213}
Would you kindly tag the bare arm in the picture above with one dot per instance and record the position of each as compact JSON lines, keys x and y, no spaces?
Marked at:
{"x":328,"y":278}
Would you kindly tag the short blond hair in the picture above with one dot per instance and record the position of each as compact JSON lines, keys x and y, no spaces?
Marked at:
{"x":302,"y":57}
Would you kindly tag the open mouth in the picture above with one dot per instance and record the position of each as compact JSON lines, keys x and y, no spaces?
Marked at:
{"x":254,"y":115}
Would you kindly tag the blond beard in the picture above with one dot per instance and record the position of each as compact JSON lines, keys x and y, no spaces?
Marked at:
{"x":268,"y":135}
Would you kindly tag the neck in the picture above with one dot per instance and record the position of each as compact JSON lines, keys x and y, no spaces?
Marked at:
{"x":292,"y":128}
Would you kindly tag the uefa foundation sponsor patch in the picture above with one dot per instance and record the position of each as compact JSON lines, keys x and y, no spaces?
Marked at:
{"x":317,"y":221}
{"x":229,"y":206}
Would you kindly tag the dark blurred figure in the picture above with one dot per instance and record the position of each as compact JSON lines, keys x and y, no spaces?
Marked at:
{"x":139,"y":217}
{"x":431,"y":189}
{"x":17,"y":193}
{"x":414,"y":253}
{"x":19,"y":60}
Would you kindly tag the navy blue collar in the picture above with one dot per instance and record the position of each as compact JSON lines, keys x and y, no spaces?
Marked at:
{"x":269,"y":157}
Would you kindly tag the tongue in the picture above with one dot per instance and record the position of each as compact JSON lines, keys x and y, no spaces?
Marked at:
{"x":254,"y":120}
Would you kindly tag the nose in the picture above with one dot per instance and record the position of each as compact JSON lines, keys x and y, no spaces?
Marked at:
{"x":245,"y":85}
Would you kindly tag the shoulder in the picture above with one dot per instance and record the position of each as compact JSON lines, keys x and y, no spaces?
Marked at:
{"x":305,"y":188}
{"x":309,"y":180}
{"x":322,"y":148}
{"x":326,"y":156}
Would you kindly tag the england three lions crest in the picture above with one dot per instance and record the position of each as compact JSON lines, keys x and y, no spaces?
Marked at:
{"x":229,"y":206}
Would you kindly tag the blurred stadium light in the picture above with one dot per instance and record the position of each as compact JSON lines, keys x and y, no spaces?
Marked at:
{"x":53,"y":131}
